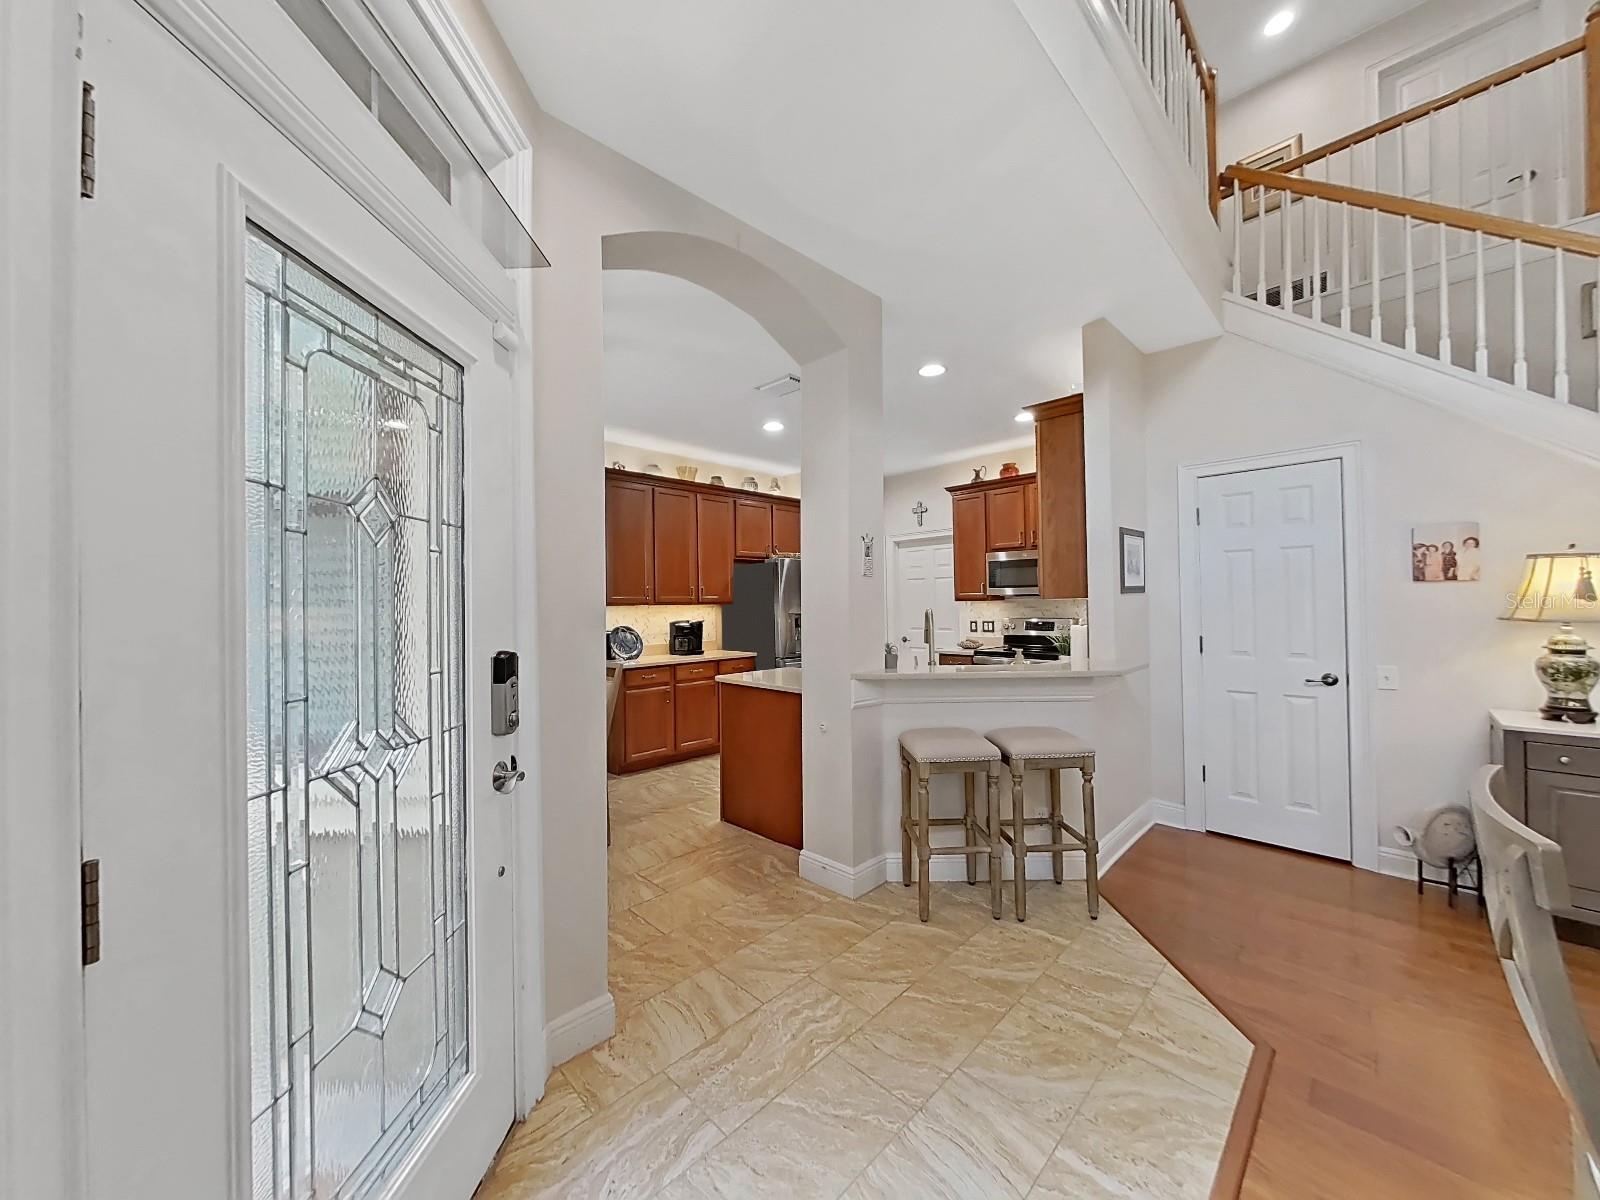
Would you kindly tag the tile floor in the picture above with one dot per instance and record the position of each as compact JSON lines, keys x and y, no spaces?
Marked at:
{"x":775,"y":1040}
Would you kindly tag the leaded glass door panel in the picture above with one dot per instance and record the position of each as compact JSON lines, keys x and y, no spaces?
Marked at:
{"x":293,"y":464}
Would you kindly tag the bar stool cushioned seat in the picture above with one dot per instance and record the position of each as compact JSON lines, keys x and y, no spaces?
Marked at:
{"x":1042,"y":748}
{"x":948,"y":751}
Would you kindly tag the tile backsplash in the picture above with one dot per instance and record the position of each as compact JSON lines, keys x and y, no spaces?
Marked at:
{"x":1001,"y":611}
{"x":653,"y":620}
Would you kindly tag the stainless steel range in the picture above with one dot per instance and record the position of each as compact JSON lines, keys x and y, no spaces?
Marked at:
{"x":1029,"y":640}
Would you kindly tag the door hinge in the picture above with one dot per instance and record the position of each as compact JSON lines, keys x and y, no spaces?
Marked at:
{"x":1202,"y":772}
{"x":1197,"y":515}
{"x":90,"y":881}
{"x":86,"y":145}
{"x":1202,"y":643}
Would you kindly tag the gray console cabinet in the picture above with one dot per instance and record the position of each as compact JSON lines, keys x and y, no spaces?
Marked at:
{"x":1553,"y":786}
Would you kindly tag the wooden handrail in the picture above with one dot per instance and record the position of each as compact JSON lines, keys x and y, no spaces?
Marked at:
{"x":1208,"y":77}
{"x":1422,"y":210}
{"x":1416,"y":113}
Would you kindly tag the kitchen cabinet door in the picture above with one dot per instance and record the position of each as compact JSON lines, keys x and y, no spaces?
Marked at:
{"x":1008,"y":518}
{"x":696,"y":715}
{"x":752,"y":533}
{"x":786,"y":529}
{"x":1030,"y":497}
{"x":714,"y":535}
{"x":630,"y":542}
{"x":676,"y":554}
{"x":1566,"y":808}
{"x":971,"y":544}
{"x":1063,"y":511}
{"x":647,"y":726}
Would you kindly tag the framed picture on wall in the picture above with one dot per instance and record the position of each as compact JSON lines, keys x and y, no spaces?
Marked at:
{"x":1269,"y":159}
{"x":1132,"y":547}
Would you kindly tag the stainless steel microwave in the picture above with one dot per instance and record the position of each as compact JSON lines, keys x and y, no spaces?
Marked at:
{"x":1013,"y":573}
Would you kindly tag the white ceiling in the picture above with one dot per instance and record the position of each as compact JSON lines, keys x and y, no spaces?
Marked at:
{"x":682,"y":365}
{"x":928,"y":150}
{"x":1230,"y":34}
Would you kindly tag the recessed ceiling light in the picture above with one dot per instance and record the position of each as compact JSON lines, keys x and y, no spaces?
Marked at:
{"x":773,"y":427}
{"x":931,"y":370}
{"x":1024,"y":417}
{"x":1278,"y":22}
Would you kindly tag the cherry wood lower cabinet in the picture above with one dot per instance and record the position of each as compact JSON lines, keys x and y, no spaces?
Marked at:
{"x":667,"y":714}
{"x":761,"y":775}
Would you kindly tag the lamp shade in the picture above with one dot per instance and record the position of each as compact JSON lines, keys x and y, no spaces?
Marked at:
{"x":1556,"y":587}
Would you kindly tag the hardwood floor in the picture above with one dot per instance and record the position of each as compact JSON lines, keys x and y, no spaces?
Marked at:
{"x":1401,"y":1069}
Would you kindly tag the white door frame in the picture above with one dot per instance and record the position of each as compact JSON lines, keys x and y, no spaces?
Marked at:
{"x":1363,"y":781}
{"x":897,"y":543}
{"x":41,"y":994}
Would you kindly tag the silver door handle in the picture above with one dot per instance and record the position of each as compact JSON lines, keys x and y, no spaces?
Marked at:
{"x":507,"y":776}
{"x":1328,"y":679}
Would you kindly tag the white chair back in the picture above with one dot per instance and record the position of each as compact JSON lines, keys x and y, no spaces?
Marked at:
{"x":1525,"y":885}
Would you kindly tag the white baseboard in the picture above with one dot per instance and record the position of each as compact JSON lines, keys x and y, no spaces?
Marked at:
{"x":1402,"y":864}
{"x":580,"y":1029}
{"x":952,"y":868}
{"x":852,"y":882}
{"x":1165,"y":812}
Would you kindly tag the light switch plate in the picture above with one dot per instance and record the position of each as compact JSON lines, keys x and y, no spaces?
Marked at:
{"x":1388,"y":679}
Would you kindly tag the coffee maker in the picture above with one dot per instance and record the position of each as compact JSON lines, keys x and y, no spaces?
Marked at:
{"x":686,"y":637}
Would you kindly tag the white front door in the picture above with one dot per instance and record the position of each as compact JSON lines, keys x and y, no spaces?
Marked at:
{"x":293,"y":447}
{"x":1275,"y":705}
{"x":925,"y":577}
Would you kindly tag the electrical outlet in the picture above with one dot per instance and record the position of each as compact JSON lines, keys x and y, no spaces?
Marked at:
{"x":988,"y":626}
{"x":972,"y":627}
{"x":1388,"y":679}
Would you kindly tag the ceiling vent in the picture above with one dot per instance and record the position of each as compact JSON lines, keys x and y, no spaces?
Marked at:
{"x":783,"y":385}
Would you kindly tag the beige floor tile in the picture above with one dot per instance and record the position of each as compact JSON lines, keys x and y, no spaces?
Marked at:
{"x":968,"y":1141}
{"x":669,"y":959}
{"x":761,"y":912}
{"x":1178,"y":1031}
{"x":655,"y":1034}
{"x":691,"y":904}
{"x":560,"y":1110}
{"x":1142,"y":1134}
{"x":739,"y":1070}
{"x":776,"y":961}
{"x":1007,"y":956}
{"x":623,"y":891}
{"x":1044,"y":1059}
{"x":628,"y":931}
{"x":886,"y":962}
{"x":630,"y":1150}
{"x":707,"y":860}
{"x":1101,"y":976}
{"x":807,"y":1144}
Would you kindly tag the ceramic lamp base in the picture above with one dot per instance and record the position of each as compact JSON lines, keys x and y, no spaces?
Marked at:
{"x":1569,"y":674}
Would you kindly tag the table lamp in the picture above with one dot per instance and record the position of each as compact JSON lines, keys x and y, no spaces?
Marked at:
{"x":1560,"y":588}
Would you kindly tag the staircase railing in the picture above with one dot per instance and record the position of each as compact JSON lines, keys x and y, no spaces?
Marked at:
{"x":1186,"y":87}
{"x":1496,"y":296}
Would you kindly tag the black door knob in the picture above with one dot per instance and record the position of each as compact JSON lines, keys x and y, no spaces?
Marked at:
{"x":1329,"y":679}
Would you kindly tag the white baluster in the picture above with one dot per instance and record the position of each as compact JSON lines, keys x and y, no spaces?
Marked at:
{"x":1489,"y":167}
{"x":1480,"y":361}
{"x":1563,"y":151}
{"x":1238,"y":239}
{"x":1286,"y":225}
{"x":1344,"y":270}
{"x":1444,"y":295}
{"x":1261,"y":237}
{"x":1411,"y":288}
{"x":1375,"y":326}
{"x":1316,"y":258}
{"x":1519,"y":320}
{"x":1563,"y":384}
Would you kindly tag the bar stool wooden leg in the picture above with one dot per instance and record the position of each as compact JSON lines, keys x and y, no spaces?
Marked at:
{"x":923,"y":845}
{"x":1091,"y":851}
{"x":905,"y":823}
{"x":994,"y":843}
{"x":971,"y":828}
{"x":1055,"y":823}
{"x":1019,"y":844}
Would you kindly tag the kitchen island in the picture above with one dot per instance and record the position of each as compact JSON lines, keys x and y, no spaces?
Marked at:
{"x":761,"y":760}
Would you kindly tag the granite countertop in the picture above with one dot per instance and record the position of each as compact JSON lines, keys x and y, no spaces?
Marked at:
{"x":780,"y":679}
{"x":1092,"y":669}
{"x":662,"y":659}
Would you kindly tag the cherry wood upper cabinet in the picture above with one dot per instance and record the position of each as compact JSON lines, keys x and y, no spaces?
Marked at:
{"x":1063,"y":511}
{"x":1008,"y":517}
{"x":971,"y":546}
{"x":714,"y":518}
{"x":630,"y":542}
{"x":752,"y":536}
{"x":676,"y":552}
{"x":1030,"y":495}
{"x":785,"y":528}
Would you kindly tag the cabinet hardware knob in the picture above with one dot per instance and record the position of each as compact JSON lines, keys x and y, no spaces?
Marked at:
{"x":1564,"y":759}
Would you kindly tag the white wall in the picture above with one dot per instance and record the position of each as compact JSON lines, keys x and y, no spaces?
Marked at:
{"x":635,"y":457}
{"x":1232,"y":398}
{"x":1337,"y":93}
{"x":901,"y":493}
{"x":1114,"y":476}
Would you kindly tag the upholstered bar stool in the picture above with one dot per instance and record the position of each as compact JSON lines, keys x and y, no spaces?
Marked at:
{"x":948,"y":751}
{"x":1040,"y":748}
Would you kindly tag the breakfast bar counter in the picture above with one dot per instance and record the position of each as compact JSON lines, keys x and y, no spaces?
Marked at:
{"x":761,"y":757}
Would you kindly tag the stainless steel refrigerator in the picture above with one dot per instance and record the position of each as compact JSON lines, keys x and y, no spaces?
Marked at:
{"x":765,"y":614}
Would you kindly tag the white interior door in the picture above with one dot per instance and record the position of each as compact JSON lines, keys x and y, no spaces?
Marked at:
{"x":1275,"y":704}
{"x":925,"y":577}
{"x":294,"y":460}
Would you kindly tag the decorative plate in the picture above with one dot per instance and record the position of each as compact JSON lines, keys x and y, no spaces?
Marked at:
{"x":625,"y":642}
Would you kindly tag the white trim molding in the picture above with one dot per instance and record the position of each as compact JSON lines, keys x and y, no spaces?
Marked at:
{"x":1358,"y":676}
{"x":853,"y":882}
{"x":580,"y":1029}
